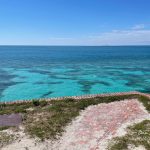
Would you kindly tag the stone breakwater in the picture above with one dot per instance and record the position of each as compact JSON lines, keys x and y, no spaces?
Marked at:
{"x":79,"y":97}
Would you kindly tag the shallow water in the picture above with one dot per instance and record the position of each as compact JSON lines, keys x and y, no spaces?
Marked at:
{"x":28,"y":72}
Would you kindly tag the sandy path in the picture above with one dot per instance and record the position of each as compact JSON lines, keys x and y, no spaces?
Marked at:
{"x":97,"y":124}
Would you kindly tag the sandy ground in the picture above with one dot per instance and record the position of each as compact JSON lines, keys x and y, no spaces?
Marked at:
{"x":92,"y":130}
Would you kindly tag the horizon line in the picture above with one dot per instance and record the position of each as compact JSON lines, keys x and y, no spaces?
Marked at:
{"x":73,"y":45}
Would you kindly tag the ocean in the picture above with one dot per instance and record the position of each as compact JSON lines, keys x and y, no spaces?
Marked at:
{"x":29,"y":72}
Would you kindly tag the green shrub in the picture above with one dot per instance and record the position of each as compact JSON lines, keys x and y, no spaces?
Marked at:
{"x":69,"y":99}
{"x":2,"y":105}
{"x":36,"y":102}
{"x":43,"y":103}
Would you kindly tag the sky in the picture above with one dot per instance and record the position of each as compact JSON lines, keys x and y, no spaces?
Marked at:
{"x":74,"y":22}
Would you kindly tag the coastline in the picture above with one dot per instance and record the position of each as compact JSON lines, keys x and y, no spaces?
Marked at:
{"x":48,"y":124}
{"x":78,"y":97}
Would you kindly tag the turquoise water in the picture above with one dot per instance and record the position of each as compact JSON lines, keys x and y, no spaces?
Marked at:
{"x":28,"y":72}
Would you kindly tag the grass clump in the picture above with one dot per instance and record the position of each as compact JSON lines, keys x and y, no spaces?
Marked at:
{"x":22,"y":107}
{"x":146,"y":102}
{"x":36,"y":102}
{"x":43,"y":103}
{"x":137,"y":135}
{"x":5,"y":139}
{"x":4,"y":128}
{"x":14,"y":108}
{"x":49,"y":123}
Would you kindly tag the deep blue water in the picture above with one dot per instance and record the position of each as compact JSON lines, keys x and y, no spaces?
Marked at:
{"x":28,"y":72}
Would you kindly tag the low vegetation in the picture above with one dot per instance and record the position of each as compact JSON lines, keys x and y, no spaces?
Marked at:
{"x":137,"y":135}
{"x":5,"y":138}
{"x":20,"y":108}
{"x":46,"y":120}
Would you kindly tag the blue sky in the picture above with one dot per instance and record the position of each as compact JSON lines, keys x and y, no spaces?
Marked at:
{"x":74,"y":22}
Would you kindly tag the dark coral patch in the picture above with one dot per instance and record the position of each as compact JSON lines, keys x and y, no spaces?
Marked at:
{"x":40,"y":71}
{"x":6,"y":80}
{"x":87,"y":85}
{"x":53,"y":82}
{"x":47,"y":94}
